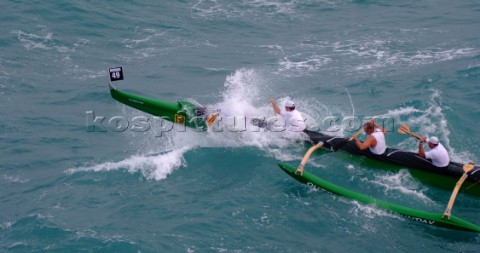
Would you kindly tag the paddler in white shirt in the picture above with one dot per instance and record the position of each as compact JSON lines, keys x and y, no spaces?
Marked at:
{"x":375,"y":140}
{"x":438,"y":154}
{"x":293,"y":118}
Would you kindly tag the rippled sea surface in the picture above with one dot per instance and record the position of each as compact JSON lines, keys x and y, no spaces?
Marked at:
{"x":67,"y":187}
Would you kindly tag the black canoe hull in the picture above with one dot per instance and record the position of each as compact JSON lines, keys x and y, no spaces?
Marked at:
{"x":395,"y":156}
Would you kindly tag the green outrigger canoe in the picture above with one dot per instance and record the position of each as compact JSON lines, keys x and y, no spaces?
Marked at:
{"x":424,"y":217}
{"x":186,"y":113}
{"x":182,"y":112}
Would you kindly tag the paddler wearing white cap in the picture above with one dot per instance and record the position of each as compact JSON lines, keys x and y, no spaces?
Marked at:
{"x":293,"y":118}
{"x":437,"y":153}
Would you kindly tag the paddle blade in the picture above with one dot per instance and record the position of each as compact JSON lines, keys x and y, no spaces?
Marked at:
{"x":211,"y":119}
{"x":404,"y":129}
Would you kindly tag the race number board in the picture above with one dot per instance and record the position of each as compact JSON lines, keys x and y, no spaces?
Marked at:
{"x":116,"y":74}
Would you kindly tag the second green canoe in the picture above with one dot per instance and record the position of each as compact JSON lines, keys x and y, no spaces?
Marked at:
{"x":424,"y":217}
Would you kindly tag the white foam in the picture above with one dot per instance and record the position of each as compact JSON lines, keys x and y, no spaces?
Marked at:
{"x":79,"y":73}
{"x":6,"y":225}
{"x":43,"y":40}
{"x":130,"y":43}
{"x":301,"y":65}
{"x":377,"y":53}
{"x":370,"y":211}
{"x":277,"y":6}
{"x":214,"y":8}
{"x":430,"y":121}
{"x":15,"y":179}
{"x":242,"y":89}
{"x":146,"y":35}
{"x":18,"y":245}
{"x":402,"y":111}
{"x":156,"y":167}
{"x":209,"y":8}
{"x":274,"y":49}
{"x":401,"y":182}
{"x":32,"y":41}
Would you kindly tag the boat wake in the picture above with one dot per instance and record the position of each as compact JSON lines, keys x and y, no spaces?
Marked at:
{"x":403,"y":183}
{"x":394,"y":184}
{"x":365,"y":214}
{"x":152,"y":167}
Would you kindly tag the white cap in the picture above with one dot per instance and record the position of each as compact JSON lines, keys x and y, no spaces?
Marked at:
{"x":433,"y":140}
{"x":289,"y":103}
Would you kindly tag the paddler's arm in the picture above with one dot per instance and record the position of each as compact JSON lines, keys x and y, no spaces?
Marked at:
{"x":421,"y":151}
{"x":363,"y":145}
{"x":276,"y":109}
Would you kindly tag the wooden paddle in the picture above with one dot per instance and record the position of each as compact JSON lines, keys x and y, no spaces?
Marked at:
{"x":466,"y":168}
{"x":356,"y":134}
{"x":341,"y":144}
{"x":300,"y":167}
{"x":404,"y":129}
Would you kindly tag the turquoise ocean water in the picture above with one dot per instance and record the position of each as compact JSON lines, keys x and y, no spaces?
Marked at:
{"x":65,"y":188}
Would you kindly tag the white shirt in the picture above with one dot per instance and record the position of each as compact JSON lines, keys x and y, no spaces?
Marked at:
{"x":293,"y":120}
{"x":438,"y":155}
{"x":381,"y":144}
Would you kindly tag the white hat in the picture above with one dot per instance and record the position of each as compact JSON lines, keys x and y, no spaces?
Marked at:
{"x":433,"y":140}
{"x":289,"y":103}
